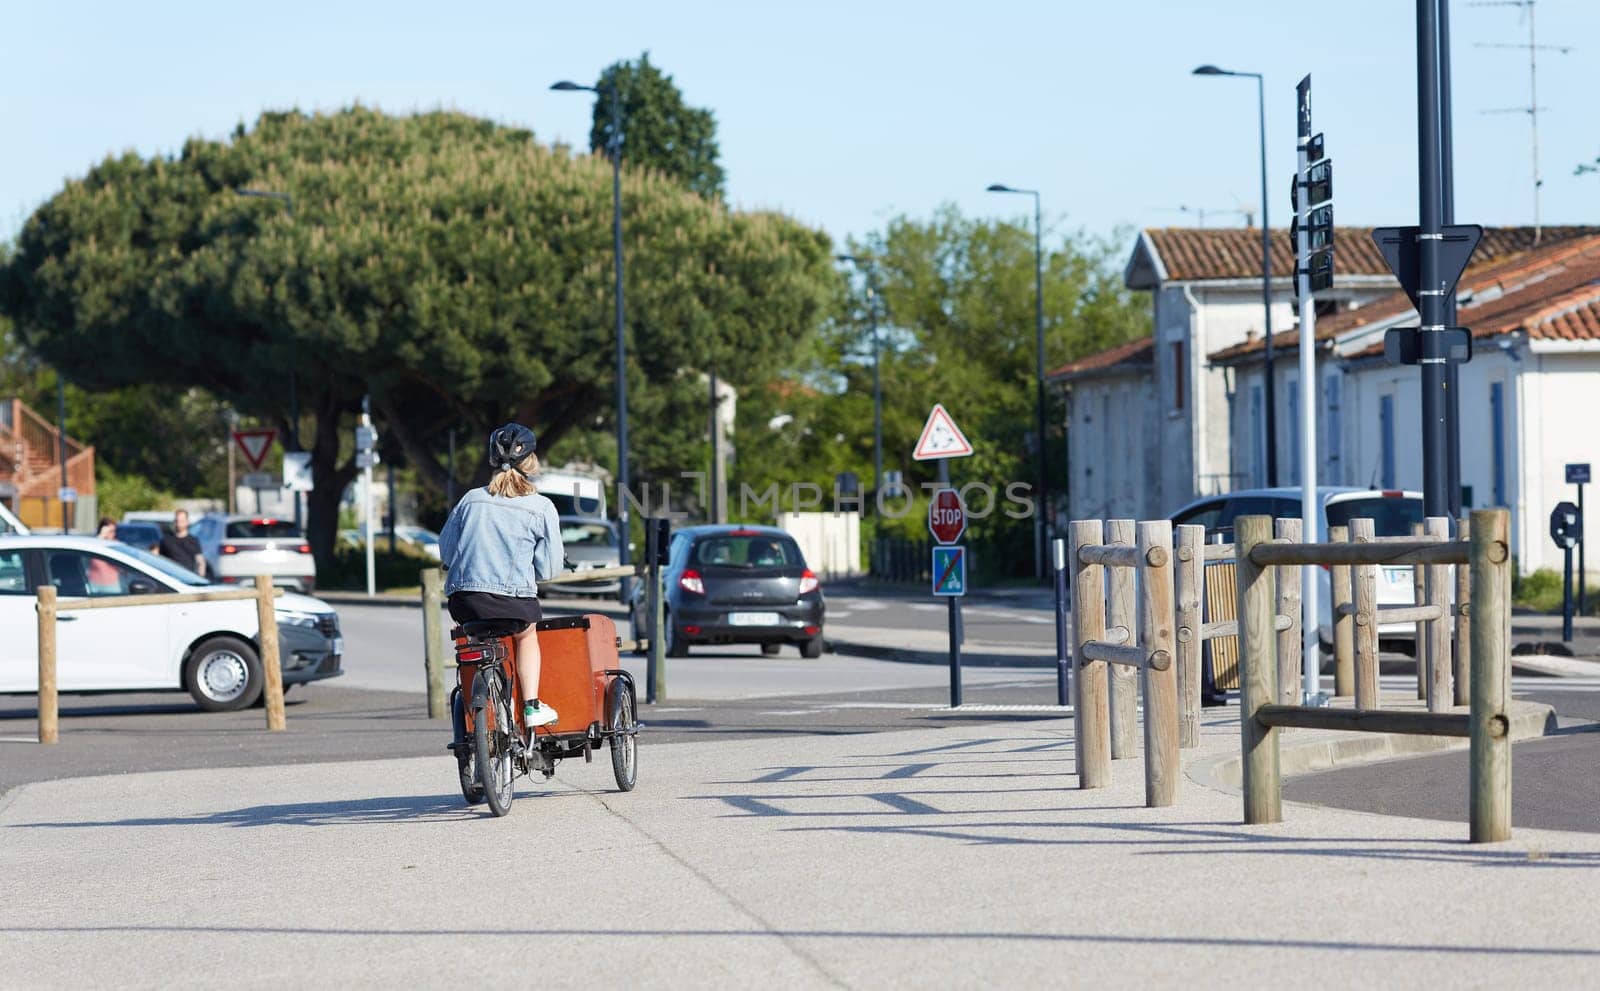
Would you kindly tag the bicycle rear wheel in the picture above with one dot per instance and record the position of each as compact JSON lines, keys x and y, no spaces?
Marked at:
{"x":493,"y":744}
{"x":624,"y":745}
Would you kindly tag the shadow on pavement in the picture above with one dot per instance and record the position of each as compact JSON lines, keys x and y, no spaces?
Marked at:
{"x":397,"y":809}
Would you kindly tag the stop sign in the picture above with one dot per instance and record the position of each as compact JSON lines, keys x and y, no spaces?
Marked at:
{"x":947,"y":518}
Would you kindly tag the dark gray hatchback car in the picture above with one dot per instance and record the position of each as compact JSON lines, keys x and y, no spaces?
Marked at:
{"x":736,"y":584}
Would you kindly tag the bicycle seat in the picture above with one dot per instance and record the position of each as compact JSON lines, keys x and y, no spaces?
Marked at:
{"x":484,"y":629}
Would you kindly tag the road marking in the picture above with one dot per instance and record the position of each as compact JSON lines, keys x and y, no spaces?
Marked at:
{"x":1065,"y":710}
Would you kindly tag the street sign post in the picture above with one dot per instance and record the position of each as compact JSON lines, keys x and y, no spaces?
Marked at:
{"x":947,"y":517}
{"x":1566,"y":529}
{"x":297,"y":471}
{"x":255,"y":444}
{"x":1402,"y":346}
{"x":1314,"y":247}
{"x":949,"y":570}
{"x":947,"y":521}
{"x":1578,"y":474}
{"x":941,"y":438}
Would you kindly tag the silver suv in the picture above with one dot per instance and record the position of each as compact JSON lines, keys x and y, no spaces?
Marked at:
{"x":239,"y":547}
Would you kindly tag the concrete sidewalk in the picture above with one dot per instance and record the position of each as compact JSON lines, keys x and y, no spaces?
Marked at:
{"x":932,"y":858}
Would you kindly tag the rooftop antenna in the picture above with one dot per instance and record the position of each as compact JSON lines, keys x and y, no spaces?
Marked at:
{"x":1201,"y":211}
{"x":1532,"y":109}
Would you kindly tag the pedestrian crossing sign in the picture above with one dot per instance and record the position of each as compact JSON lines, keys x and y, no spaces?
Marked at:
{"x":950,"y":570}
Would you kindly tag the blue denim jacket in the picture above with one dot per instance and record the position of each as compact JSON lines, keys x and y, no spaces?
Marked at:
{"x":500,"y":545}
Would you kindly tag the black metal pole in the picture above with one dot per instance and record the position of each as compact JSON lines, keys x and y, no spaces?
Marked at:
{"x":1042,"y":524}
{"x":61,"y":444}
{"x":1435,"y":432}
{"x":450,"y":480}
{"x":1058,"y":548}
{"x":877,"y":388}
{"x":714,"y":502}
{"x":1566,"y":598}
{"x":1583,"y":572}
{"x":623,"y":556}
{"x":1447,"y":169}
{"x":953,"y":607}
{"x":1266,"y":291}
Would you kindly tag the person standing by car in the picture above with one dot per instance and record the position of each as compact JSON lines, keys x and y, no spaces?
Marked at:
{"x":182,"y":547}
{"x":498,"y":544}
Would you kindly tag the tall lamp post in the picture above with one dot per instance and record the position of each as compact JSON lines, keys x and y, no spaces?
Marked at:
{"x":1266,"y":267}
{"x":1041,"y":528}
{"x":866,"y":265}
{"x":614,"y":152}
{"x":294,"y":373}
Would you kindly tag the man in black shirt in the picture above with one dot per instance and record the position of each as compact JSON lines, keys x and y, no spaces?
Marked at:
{"x":182,"y":547}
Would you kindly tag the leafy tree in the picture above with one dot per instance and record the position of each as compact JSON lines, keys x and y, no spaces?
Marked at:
{"x":451,"y":268}
{"x":659,"y":130}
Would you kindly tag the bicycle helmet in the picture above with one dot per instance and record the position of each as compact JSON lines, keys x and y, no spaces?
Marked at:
{"x":509,"y":444}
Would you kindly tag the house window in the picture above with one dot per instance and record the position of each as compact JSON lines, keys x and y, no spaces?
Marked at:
{"x":1497,"y":429}
{"x":1177,"y":375}
{"x":1386,"y":441}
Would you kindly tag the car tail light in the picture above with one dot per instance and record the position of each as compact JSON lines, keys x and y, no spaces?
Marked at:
{"x":304,"y":548}
{"x":469,"y":656}
{"x":229,"y":580}
{"x":1393,"y":494}
{"x":690,"y":581}
{"x":264,"y":521}
{"x":808,"y":581}
{"x":230,"y":549}
{"x":692,"y":631}
{"x":812,"y":631}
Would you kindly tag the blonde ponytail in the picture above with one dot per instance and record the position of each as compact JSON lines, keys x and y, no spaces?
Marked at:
{"x":512,"y":482}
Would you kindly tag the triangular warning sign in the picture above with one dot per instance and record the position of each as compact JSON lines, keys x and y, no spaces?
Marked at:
{"x":1398,"y":245}
{"x":941,"y":438}
{"x":254,"y":444}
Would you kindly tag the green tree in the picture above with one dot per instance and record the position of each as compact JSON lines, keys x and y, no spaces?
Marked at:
{"x":451,"y":268}
{"x":659,"y":130}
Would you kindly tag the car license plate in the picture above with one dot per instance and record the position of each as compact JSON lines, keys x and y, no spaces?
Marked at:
{"x":338,"y":645}
{"x":753,"y":619}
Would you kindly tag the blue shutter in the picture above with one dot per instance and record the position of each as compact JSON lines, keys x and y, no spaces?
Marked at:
{"x":1386,"y":433}
{"x":1497,"y":427}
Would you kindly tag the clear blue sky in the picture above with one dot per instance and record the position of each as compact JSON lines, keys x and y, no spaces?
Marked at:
{"x":845,"y":114}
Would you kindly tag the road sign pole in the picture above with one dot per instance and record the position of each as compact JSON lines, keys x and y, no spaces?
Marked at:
{"x":953,"y":604}
{"x":1566,"y":596}
{"x":1063,"y":659}
{"x":366,"y":484}
{"x":1310,"y":510}
{"x":1431,"y":288}
{"x":1583,"y":572}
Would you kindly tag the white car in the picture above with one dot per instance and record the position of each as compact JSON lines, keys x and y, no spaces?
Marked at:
{"x":239,"y":547}
{"x":9,"y":524}
{"x":209,"y":649}
{"x":1392,"y":511}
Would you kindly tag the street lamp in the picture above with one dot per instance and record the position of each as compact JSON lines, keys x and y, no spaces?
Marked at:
{"x":294,"y":372}
{"x":1041,"y":533}
{"x":871,"y":271}
{"x":614,"y":151}
{"x":1266,"y":264}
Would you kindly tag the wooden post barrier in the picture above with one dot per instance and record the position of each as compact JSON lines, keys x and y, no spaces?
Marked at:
{"x":1419,"y":596}
{"x":49,"y":703}
{"x":1090,"y":713}
{"x":1490,"y":776}
{"x":433,"y":639}
{"x":1122,"y":611}
{"x":1366,"y":619}
{"x":1342,"y":608}
{"x":1258,"y":673}
{"x":1189,"y":586}
{"x":272,"y":689}
{"x":1463,"y":655}
{"x":1436,"y":582}
{"x":1290,"y":640}
{"x":1158,"y":676}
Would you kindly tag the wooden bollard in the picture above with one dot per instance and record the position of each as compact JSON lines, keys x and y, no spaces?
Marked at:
{"x":1436,"y":581}
{"x":1157,"y":636}
{"x":1490,"y":783}
{"x":49,"y":704}
{"x":1340,"y":607}
{"x":1463,"y":656}
{"x":1291,"y":643}
{"x":1364,"y":531}
{"x":1258,"y":674}
{"x":433,"y":640}
{"x":1090,"y":711}
{"x":1189,"y":583}
{"x":267,"y":618}
{"x":1123,"y":611}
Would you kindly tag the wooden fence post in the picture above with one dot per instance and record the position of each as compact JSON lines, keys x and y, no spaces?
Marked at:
{"x":1419,"y":596}
{"x":1189,"y":581}
{"x":1491,"y":667}
{"x":267,"y":618}
{"x":1258,"y":674}
{"x":49,"y":726}
{"x":1463,"y":660}
{"x":1340,"y":608}
{"x":1291,"y":642}
{"x":433,"y":639}
{"x":1364,"y":531}
{"x":1090,"y":715}
{"x":1160,"y":681}
{"x":1124,"y":680}
{"x":1441,"y":683}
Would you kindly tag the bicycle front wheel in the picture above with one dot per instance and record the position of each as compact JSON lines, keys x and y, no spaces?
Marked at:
{"x":493,"y":743}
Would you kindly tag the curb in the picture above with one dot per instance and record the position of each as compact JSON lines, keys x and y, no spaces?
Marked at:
{"x":1323,"y":750}
{"x":906,"y":655}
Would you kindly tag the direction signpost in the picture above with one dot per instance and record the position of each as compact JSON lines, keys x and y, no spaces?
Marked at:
{"x":940,"y":441}
{"x":1313,"y":235}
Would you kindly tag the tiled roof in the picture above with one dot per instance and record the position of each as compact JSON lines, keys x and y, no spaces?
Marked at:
{"x":1133,"y":356}
{"x":1541,"y":270}
{"x":1196,"y":254}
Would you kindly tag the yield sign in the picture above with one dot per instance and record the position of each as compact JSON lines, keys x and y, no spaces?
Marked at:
{"x":1398,"y":245}
{"x":254,"y":444}
{"x":941,"y":438}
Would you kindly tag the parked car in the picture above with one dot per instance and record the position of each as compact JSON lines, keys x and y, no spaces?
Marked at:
{"x":591,"y":543}
{"x":139,"y":533}
{"x":419,"y":538}
{"x":1392,"y":512}
{"x":237,"y":548}
{"x":736,"y":584}
{"x":9,"y":524}
{"x":209,"y":649}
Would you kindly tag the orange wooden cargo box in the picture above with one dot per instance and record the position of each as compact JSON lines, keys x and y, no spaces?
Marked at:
{"x":574,"y":655}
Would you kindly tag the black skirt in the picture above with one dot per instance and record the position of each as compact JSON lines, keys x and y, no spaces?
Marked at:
{"x":467,"y":607}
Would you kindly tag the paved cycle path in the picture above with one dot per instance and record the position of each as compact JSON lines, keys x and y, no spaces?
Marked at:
{"x":941,"y":857}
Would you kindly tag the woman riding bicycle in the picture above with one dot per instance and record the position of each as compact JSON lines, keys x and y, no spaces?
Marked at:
{"x":498,"y":544}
